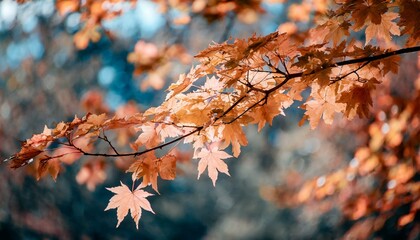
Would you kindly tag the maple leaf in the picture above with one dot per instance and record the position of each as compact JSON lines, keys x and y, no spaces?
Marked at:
{"x":384,"y":29}
{"x":336,"y":29}
{"x":357,"y":100}
{"x":24,"y":157}
{"x":212,"y":160}
{"x":233,"y":134}
{"x":147,"y":168}
{"x":184,"y":82}
{"x":125,"y":200}
{"x":410,"y":24}
{"x":270,"y":109}
{"x":60,"y":130}
{"x":40,"y":141}
{"x":212,"y":84}
{"x":67,"y":155}
{"x":92,"y":174}
{"x":50,"y":165}
{"x":365,"y":12}
{"x":92,"y":123}
{"x":166,"y":131}
{"x":124,"y":122}
{"x":149,"y":137}
{"x":391,"y":64}
{"x":167,"y":167}
{"x":324,"y":104}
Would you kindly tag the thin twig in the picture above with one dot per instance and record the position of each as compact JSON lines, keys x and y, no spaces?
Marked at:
{"x":105,"y":138}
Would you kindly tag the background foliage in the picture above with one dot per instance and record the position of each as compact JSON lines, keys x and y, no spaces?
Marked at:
{"x":57,"y":61}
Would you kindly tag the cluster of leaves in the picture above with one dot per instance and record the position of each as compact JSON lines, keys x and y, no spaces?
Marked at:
{"x":148,"y":58}
{"x":249,"y":82}
{"x":92,"y":13}
{"x":247,"y":11}
{"x":390,"y":157}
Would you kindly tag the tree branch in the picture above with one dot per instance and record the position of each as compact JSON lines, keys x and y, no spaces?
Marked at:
{"x":288,"y":77}
{"x":360,"y":60}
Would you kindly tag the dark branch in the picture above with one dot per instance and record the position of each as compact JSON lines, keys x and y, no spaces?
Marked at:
{"x":288,"y":77}
{"x":359,"y":60}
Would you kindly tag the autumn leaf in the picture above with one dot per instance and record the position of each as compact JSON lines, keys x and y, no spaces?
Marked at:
{"x":92,"y":124}
{"x":323,"y":105}
{"x":357,"y":101}
{"x":366,"y":12}
{"x":166,"y":130}
{"x":125,"y":200}
{"x":67,"y":155}
{"x":234,"y":135}
{"x":409,"y":21}
{"x":250,"y":81}
{"x":49,"y":165}
{"x":24,"y":157}
{"x":212,"y":160}
{"x":384,"y":29}
{"x":406,"y":219}
{"x":146,"y":167}
{"x":149,"y":168}
{"x":92,"y":174}
{"x":149,"y":137}
{"x":67,"y":6}
{"x":40,"y":141}
{"x":167,"y":167}
{"x":391,"y":64}
{"x":273,"y":107}
{"x":182,"y":84}
{"x":336,"y":29}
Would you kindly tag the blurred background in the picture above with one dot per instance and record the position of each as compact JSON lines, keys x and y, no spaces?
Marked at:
{"x":56,"y":62}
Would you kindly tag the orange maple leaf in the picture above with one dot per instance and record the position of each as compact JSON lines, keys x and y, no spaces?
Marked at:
{"x":212,"y":160}
{"x":92,"y":174}
{"x":233,"y":134}
{"x":50,"y":165}
{"x":125,"y":200}
{"x":147,"y":168}
{"x":384,"y":29}
{"x":167,"y":167}
{"x":149,"y":137}
{"x":273,"y":107}
{"x":166,"y":131}
{"x":357,"y":101}
{"x":336,"y":29}
{"x":366,"y":12}
{"x":323,"y":105}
